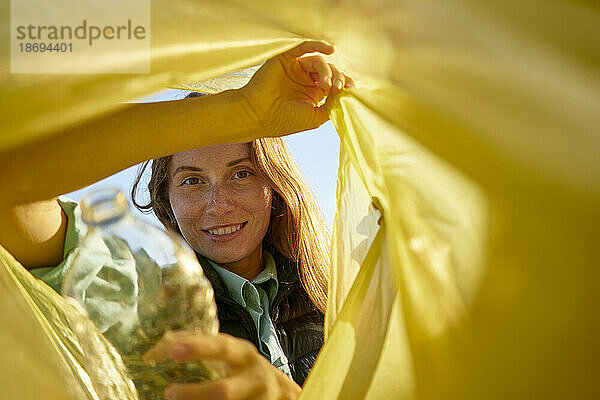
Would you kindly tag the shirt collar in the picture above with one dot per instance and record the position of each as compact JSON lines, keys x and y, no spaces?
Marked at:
{"x":267,"y":278}
{"x":234,"y":283}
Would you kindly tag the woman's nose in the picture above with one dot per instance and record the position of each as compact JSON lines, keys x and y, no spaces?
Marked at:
{"x":219,"y":200}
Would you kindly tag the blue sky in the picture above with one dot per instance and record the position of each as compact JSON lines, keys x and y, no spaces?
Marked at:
{"x":315,"y":151}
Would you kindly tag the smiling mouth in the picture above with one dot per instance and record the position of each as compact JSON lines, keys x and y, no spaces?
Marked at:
{"x":225,"y":230}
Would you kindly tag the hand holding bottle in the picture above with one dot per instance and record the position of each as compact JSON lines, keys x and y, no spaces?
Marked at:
{"x":249,"y":374}
{"x":137,"y":282}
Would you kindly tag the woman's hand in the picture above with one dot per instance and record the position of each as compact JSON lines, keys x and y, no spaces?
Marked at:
{"x":250,"y":375}
{"x":288,"y":91}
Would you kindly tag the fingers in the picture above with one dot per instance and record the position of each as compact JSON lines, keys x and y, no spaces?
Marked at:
{"x":161,"y":351}
{"x":252,"y":377}
{"x":234,"y":351}
{"x":324,"y":72}
{"x":298,"y":74}
{"x":314,"y":94}
{"x":318,"y":69}
{"x":189,"y":346}
{"x":235,"y":387}
{"x":299,"y":67}
{"x":350,"y":83}
{"x":309,"y":70}
{"x":311,"y":46}
{"x":289,"y":389}
{"x":325,"y":75}
{"x":338,"y":80}
{"x":259,"y":380}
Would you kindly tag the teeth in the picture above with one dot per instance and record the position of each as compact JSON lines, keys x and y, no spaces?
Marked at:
{"x":225,"y":231}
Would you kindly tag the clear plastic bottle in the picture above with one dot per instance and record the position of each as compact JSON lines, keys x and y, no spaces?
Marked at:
{"x":137,"y":282}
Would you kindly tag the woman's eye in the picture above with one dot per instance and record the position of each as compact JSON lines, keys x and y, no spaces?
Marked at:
{"x":190,"y":181}
{"x":242,"y":174}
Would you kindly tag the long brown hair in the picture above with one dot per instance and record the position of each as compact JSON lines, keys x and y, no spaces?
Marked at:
{"x":296,"y":230}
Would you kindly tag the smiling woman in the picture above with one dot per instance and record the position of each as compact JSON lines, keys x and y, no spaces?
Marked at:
{"x":256,"y":186}
{"x":222,"y":205}
{"x":246,"y":211}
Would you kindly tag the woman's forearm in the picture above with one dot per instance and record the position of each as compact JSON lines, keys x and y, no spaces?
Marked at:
{"x":89,"y":152}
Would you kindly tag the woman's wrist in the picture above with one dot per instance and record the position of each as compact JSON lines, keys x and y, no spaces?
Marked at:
{"x":234,"y":118}
{"x":256,"y":111}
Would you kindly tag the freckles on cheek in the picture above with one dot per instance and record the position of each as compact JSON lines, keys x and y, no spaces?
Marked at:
{"x":187,"y":220}
{"x":186,"y":213}
{"x":183,"y":212}
{"x":189,"y":226}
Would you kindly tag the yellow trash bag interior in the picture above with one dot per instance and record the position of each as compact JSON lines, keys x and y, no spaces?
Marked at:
{"x":464,"y":250}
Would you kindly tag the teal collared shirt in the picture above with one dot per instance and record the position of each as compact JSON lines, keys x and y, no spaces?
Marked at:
{"x":256,"y":296}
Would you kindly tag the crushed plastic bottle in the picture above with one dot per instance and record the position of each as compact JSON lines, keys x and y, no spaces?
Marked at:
{"x":136,"y":282}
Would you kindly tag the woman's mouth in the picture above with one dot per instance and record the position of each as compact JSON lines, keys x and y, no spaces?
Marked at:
{"x":225,"y":232}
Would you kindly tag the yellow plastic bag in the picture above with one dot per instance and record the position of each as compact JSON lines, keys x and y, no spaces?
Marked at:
{"x":50,"y":348}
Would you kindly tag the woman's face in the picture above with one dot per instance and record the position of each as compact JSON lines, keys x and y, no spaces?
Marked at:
{"x":221,"y":204}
